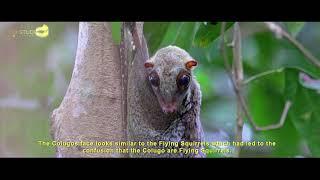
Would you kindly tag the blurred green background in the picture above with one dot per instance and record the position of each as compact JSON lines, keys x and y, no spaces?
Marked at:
{"x":35,"y":73}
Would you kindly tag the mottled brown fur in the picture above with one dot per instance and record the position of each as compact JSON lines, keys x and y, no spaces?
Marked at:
{"x":184,"y":123}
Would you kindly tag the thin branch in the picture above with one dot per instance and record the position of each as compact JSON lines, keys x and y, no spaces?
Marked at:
{"x":225,"y":57}
{"x":260,"y":75}
{"x":240,"y":97}
{"x":238,"y":74}
{"x":280,"y":32}
{"x":237,"y":57}
{"x":124,"y":73}
{"x":265,"y":128}
{"x":282,"y":119}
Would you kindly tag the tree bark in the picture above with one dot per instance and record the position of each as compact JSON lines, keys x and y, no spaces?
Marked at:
{"x":91,"y":109}
{"x":107,"y":92}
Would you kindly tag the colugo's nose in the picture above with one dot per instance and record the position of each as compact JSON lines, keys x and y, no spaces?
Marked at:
{"x":167,"y":95}
{"x":170,"y":107}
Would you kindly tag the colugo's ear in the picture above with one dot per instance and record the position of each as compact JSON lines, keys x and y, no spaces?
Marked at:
{"x":191,"y":64}
{"x":148,"y":64}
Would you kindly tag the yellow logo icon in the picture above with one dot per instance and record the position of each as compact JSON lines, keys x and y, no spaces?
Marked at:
{"x":42,"y":31}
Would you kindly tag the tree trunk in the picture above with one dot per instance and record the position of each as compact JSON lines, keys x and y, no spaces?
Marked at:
{"x":91,"y":109}
{"x":107,"y":92}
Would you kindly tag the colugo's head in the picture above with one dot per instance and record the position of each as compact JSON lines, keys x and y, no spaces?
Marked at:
{"x":170,"y":75}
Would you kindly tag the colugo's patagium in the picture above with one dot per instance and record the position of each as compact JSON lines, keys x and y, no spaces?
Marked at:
{"x":169,"y":73}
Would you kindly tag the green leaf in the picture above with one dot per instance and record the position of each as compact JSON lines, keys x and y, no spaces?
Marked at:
{"x":172,"y":34}
{"x":305,"y":111}
{"x":266,"y":104}
{"x":206,"y":83}
{"x":208,"y":32}
{"x":116,"y":32}
{"x":294,"y":27}
{"x":154,"y":33}
{"x":291,"y":84}
{"x":185,"y":35}
{"x":275,"y":54}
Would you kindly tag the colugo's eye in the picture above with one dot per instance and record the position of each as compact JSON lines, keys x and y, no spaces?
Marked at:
{"x":154,"y":79}
{"x":183,"y":80}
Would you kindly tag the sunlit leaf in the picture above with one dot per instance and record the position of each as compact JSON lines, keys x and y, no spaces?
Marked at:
{"x":154,"y":32}
{"x":171,"y":34}
{"x":185,"y":35}
{"x":208,"y":32}
{"x":294,"y":27}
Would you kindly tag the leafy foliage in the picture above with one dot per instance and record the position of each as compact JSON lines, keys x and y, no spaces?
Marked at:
{"x":305,"y":111}
{"x":208,"y":32}
{"x":262,"y":52}
{"x":38,"y":72}
{"x":154,"y":32}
